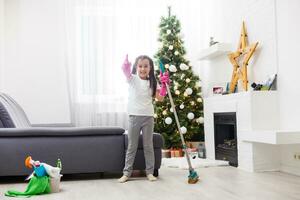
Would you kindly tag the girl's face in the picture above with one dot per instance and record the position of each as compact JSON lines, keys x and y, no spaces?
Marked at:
{"x":143,"y":68}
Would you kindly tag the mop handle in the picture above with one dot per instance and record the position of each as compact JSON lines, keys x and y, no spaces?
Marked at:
{"x":179,"y":129}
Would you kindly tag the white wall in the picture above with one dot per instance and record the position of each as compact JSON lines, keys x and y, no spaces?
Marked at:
{"x":289,"y":68}
{"x":288,"y":29}
{"x":34,"y":72}
{"x":225,"y":24}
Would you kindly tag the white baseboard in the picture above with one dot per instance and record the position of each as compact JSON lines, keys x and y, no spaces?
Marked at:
{"x":290,"y":170}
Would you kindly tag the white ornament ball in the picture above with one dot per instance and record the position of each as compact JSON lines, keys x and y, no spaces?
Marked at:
{"x":177,"y":92}
{"x":155,"y":115}
{"x":198,"y":84}
{"x":192,"y":103}
{"x":183,"y":130}
{"x":190,"y":115}
{"x":189,"y":91}
{"x":176,"y":53}
{"x":182,"y":66}
{"x":199,"y":99}
{"x":171,"y":47}
{"x":164,"y":112}
{"x":168,"y":120}
{"x":200,"y":120}
{"x":169,"y":32}
{"x":181,"y":106}
{"x":161,"y":45}
{"x":171,"y":109}
{"x":187,"y":80}
{"x":167,"y":66}
{"x":185,"y":94}
{"x":173,"y":68}
{"x":175,"y":87}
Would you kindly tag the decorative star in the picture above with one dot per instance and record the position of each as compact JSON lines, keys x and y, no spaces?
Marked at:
{"x":239,"y":59}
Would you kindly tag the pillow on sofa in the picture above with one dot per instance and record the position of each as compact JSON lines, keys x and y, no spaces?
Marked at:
{"x":5,"y":120}
{"x":1,"y":125}
{"x":14,"y":111}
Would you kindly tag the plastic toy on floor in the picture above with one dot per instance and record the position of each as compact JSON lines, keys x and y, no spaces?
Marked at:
{"x":43,"y":180}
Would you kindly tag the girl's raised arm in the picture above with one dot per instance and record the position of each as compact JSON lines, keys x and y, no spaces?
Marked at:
{"x":126,"y":67}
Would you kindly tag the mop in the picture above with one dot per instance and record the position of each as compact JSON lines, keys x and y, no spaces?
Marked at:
{"x":193,"y":176}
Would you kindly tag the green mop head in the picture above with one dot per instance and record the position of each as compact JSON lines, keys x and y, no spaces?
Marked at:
{"x":193,"y":177}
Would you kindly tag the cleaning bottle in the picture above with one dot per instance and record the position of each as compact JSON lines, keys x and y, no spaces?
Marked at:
{"x":58,"y":164}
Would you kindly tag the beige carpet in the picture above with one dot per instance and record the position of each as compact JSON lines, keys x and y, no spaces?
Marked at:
{"x":181,"y":163}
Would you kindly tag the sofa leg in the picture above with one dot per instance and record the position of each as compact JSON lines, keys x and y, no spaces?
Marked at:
{"x":155,"y":173}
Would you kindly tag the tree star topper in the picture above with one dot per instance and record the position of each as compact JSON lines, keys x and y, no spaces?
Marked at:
{"x":240,"y":59}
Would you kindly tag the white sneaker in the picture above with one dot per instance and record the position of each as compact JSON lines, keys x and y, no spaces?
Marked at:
{"x":123,"y":179}
{"x":151,"y":177}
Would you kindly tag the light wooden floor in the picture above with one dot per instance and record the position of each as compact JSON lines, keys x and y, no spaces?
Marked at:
{"x":216,"y":183}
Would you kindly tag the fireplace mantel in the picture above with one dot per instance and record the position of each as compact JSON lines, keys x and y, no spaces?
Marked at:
{"x":256,"y":110}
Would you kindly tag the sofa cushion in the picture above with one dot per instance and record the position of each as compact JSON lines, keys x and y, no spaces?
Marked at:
{"x":60,"y":132}
{"x":158,"y":141}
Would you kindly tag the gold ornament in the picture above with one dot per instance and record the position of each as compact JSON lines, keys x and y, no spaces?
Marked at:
{"x":242,"y":54}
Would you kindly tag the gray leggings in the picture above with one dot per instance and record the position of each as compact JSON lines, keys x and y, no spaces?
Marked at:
{"x":136,"y":125}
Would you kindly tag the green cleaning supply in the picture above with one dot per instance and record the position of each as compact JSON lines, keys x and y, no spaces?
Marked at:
{"x":58,"y":164}
{"x":36,"y":186}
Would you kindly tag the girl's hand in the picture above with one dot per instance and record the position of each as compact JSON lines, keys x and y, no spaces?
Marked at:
{"x":126,"y":67}
{"x":163,"y":90}
{"x":164,"y":78}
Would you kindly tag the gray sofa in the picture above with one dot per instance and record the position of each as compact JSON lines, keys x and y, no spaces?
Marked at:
{"x":81,"y":149}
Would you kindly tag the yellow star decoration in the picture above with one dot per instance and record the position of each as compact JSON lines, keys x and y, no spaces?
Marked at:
{"x":240,"y":59}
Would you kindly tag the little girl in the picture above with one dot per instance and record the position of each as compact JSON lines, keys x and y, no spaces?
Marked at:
{"x":142,"y":88}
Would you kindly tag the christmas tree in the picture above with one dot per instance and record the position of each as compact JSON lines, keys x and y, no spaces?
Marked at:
{"x":185,"y":88}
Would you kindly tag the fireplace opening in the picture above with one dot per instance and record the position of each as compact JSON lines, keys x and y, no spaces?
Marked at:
{"x":226,"y":137}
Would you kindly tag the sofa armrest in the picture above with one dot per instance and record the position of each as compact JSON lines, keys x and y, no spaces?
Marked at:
{"x":60,"y":132}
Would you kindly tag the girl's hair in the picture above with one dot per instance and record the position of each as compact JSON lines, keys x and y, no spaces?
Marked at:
{"x":152,"y":79}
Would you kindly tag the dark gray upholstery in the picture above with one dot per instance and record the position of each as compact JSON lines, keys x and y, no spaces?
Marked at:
{"x":82,"y":150}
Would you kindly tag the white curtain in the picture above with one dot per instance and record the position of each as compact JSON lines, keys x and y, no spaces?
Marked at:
{"x":99,"y":33}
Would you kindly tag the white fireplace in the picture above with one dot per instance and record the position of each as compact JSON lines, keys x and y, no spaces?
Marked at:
{"x":261,"y":143}
{"x":255,"y":112}
{"x":259,"y":139}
